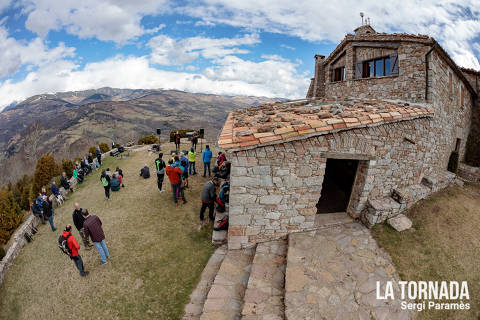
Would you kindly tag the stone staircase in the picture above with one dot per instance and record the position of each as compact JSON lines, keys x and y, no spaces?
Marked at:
{"x":328,"y":273}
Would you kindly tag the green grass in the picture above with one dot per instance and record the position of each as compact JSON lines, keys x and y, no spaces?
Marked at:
{"x":157,"y":255}
{"x":443,"y":245}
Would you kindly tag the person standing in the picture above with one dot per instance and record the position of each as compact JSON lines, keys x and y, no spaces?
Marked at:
{"x":78,"y":220}
{"x":98,"y":153}
{"x":174,"y":175}
{"x":93,"y":228}
{"x":105,"y":180}
{"x":73,"y":245}
{"x":160,"y":167}
{"x":209,"y":196}
{"x":194,"y":141}
{"x":192,"y":155}
{"x":206,"y":158}
{"x":48,"y":213}
{"x":177,"y":138}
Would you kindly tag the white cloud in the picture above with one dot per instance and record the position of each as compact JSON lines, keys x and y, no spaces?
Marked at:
{"x":167,"y":51}
{"x":15,"y":54}
{"x":4,"y":4}
{"x":233,"y":76}
{"x":106,"y":20}
{"x":323,"y":20}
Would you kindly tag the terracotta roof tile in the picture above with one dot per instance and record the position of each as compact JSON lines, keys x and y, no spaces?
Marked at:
{"x":274,"y":123}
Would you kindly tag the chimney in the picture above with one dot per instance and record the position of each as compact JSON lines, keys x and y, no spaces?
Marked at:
{"x":319,"y":82}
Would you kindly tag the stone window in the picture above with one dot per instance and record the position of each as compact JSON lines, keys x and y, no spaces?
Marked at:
{"x":378,"y":67}
{"x":339,"y":74}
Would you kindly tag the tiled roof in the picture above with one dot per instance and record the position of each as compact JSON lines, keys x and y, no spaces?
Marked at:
{"x":281,"y":122}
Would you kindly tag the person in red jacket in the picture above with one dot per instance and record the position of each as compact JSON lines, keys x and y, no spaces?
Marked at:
{"x":174,"y":174}
{"x":74,"y":246}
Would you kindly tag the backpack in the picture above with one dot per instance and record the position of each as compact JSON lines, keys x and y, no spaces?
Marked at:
{"x":104,"y":182}
{"x":222,"y":224}
{"x":63,"y":245}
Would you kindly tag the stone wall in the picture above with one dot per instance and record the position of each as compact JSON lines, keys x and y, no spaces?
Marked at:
{"x":409,"y":85}
{"x":275,"y":189}
{"x":17,"y":244}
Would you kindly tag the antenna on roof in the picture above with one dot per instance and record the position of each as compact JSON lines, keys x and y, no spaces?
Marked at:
{"x":361,"y":15}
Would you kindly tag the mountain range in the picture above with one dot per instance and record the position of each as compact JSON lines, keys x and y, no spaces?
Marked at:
{"x":67,"y":123}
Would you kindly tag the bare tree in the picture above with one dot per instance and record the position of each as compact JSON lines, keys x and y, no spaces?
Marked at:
{"x":31,"y":142}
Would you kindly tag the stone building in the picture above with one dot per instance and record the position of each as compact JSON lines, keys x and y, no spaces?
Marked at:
{"x":382,"y":116}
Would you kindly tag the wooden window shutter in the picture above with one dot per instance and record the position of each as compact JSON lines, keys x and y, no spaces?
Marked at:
{"x":394,"y":64}
{"x":358,"y":70}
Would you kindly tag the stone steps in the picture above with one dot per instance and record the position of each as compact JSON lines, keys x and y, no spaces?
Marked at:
{"x":225,"y":298}
{"x":194,"y":309}
{"x":265,"y":291}
{"x":332,"y":274}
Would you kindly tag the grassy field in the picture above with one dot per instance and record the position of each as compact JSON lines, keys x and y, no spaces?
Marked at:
{"x":444,"y":244}
{"x":157,"y":254}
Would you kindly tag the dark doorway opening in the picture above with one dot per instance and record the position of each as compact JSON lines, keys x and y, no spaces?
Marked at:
{"x":337,"y":185}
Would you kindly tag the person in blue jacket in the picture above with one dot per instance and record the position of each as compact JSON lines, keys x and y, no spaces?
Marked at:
{"x":206,"y":158}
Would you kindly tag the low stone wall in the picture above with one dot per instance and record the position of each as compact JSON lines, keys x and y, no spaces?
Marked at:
{"x":469,"y":173}
{"x":18,"y":242}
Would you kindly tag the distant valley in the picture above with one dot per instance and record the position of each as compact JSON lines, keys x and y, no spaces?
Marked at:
{"x":67,"y":123}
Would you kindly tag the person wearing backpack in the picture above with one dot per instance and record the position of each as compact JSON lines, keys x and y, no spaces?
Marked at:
{"x":70,"y":247}
{"x":105,"y":180}
{"x":160,"y":167}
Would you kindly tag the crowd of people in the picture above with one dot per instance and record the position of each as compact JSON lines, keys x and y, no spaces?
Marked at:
{"x":178,"y":168}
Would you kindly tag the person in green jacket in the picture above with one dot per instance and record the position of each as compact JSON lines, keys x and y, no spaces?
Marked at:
{"x":192,"y":155}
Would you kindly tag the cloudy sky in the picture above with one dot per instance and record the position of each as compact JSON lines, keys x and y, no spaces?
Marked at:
{"x":246,"y":47}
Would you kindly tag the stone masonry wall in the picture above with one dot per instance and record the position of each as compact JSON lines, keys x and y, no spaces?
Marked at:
{"x":275,"y":189}
{"x":409,"y":85}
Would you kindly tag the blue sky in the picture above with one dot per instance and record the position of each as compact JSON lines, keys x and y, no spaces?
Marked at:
{"x":243,"y":47}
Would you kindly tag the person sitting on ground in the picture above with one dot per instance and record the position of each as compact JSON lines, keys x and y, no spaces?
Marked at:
{"x":174,"y":174}
{"x":192,"y":155}
{"x":209,"y":196}
{"x":224,"y":171}
{"x":119,"y":173}
{"x":221,"y":159}
{"x":145,"y":172}
{"x":223,"y":197}
{"x":115,"y":183}
{"x":74,"y":246}
{"x":108,"y":172}
{"x":65,"y":183}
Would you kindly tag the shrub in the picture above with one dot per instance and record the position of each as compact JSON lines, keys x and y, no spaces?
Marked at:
{"x":21,"y":192}
{"x":104,"y":147}
{"x":10,"y":215}
{"x":453,"y":162}
{"x":183,"y":133}
{"x":67,"y":166}
{"x":92,"y":150}
{"x":45,"y":170}
{"x":148,"y":140}
{"x":2,"y":252}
